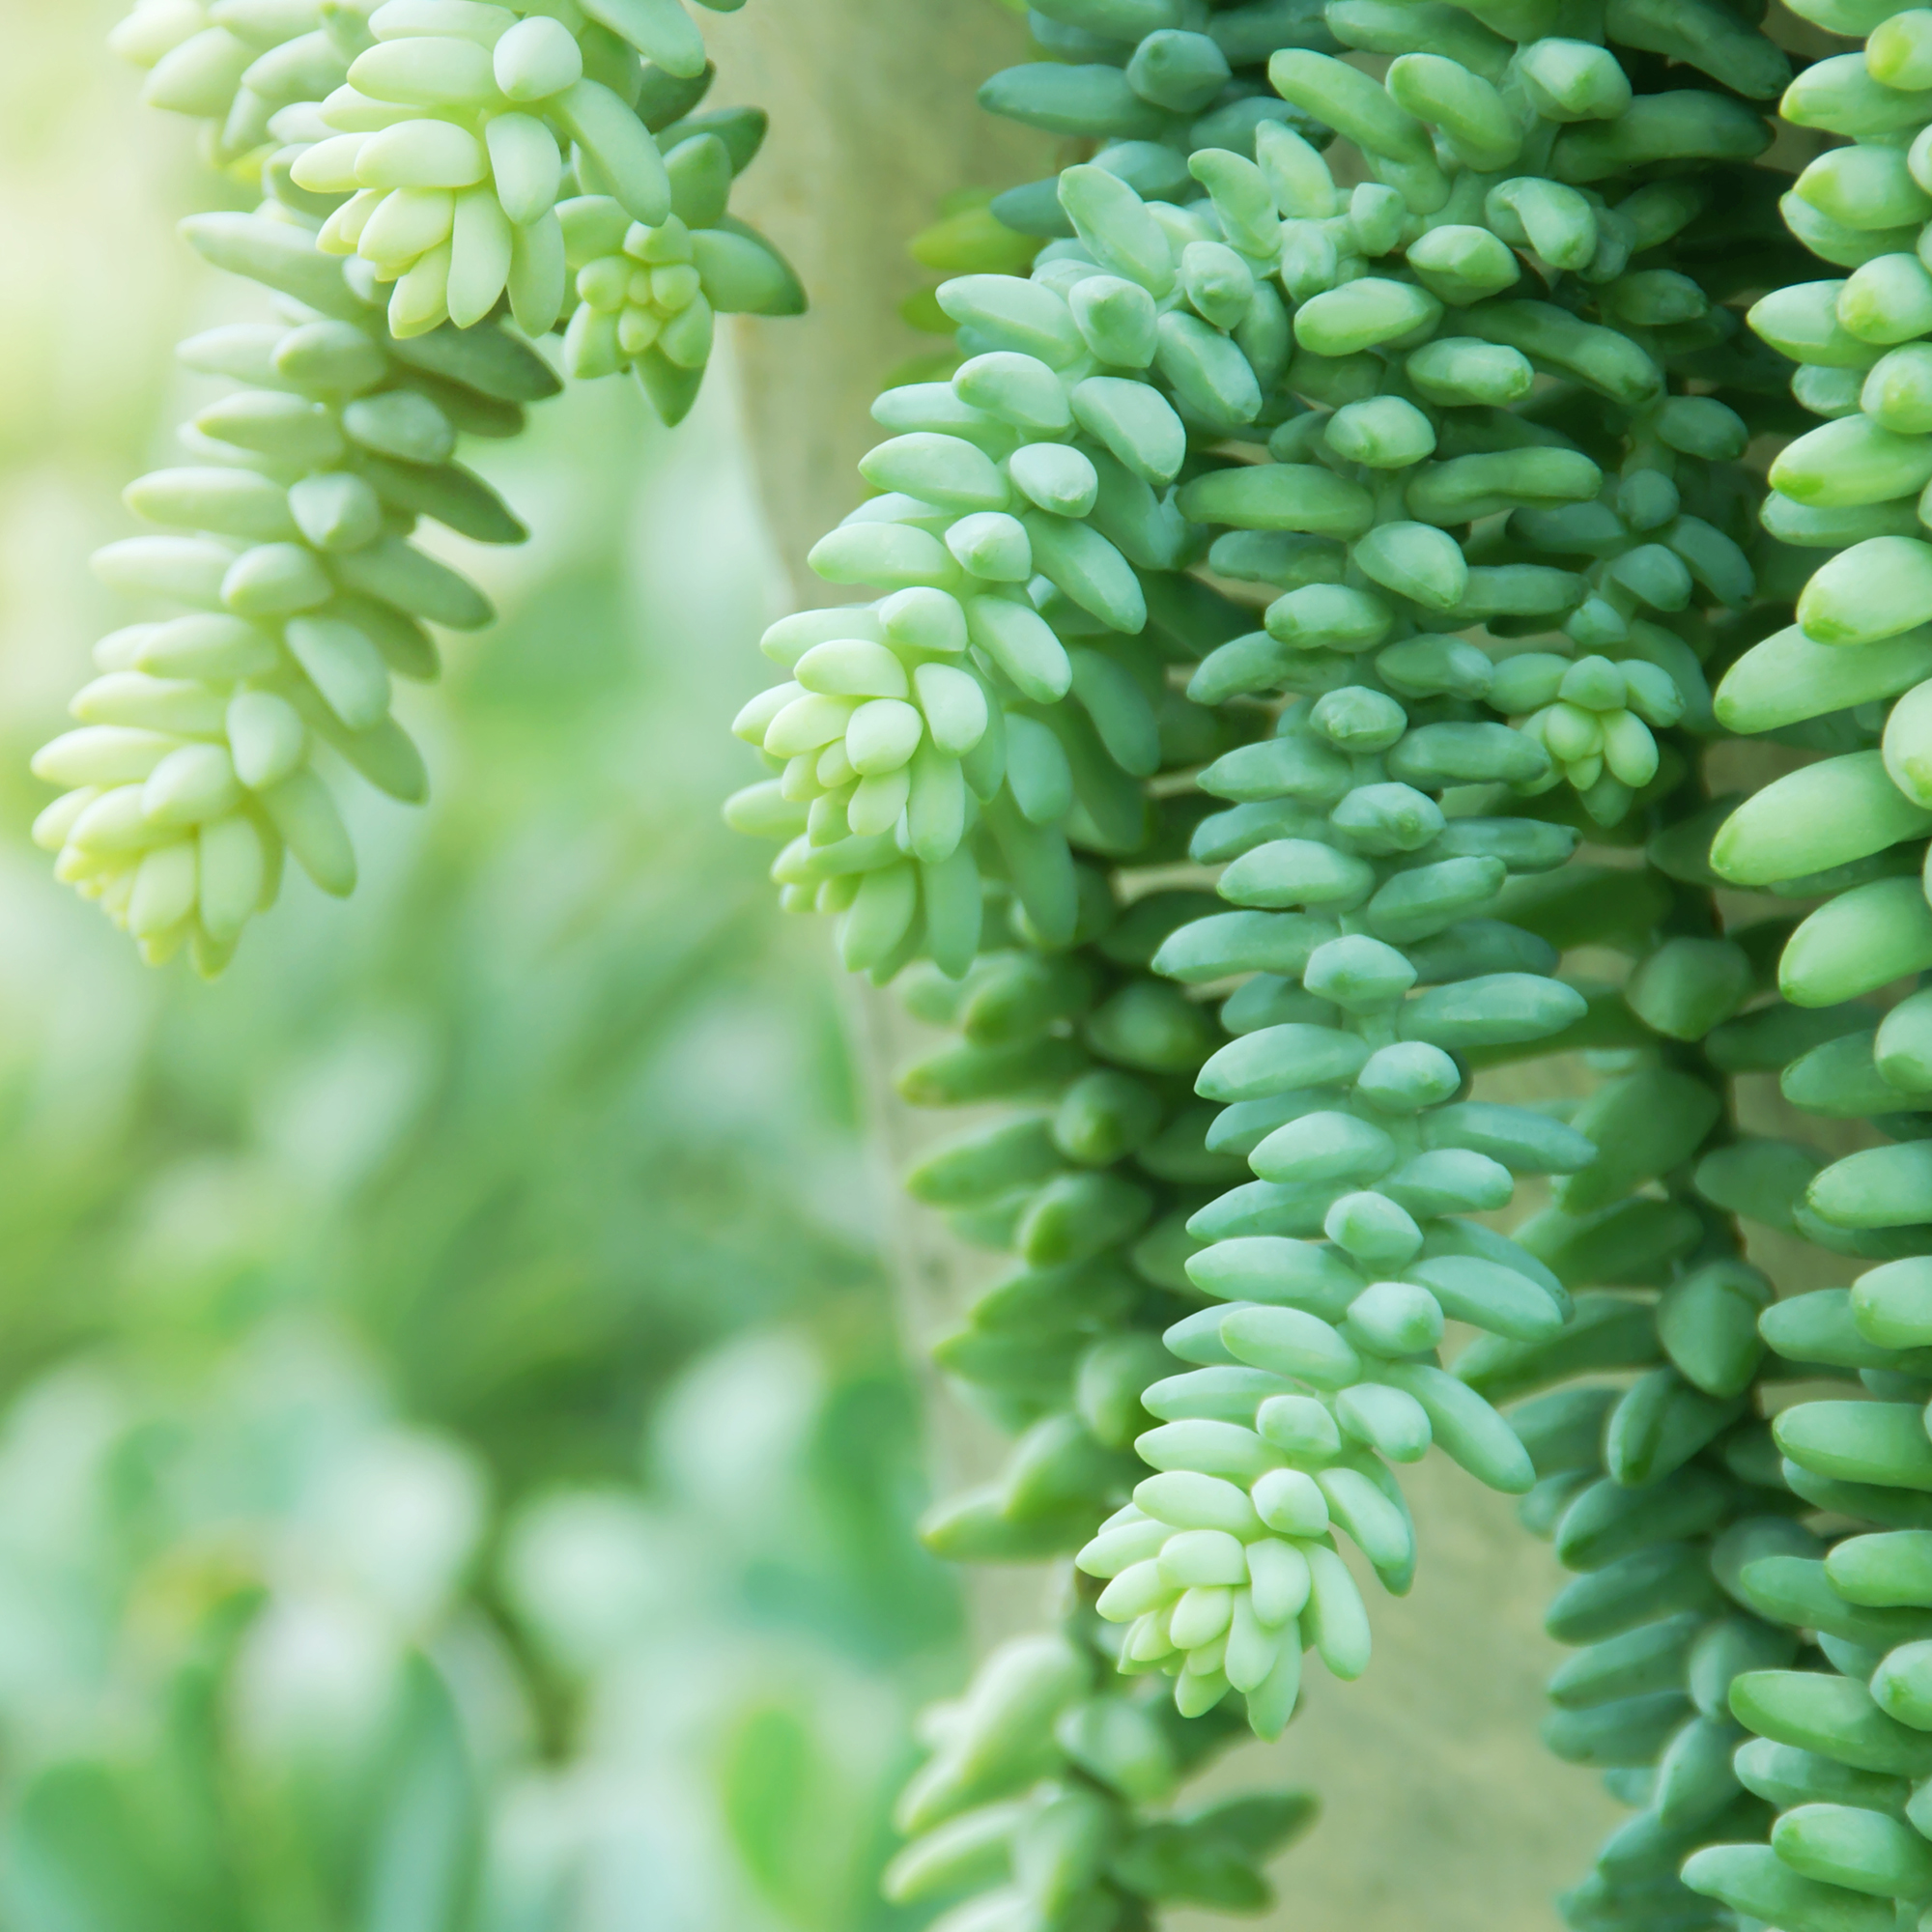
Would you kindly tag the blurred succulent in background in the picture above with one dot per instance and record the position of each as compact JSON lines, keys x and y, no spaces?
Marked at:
{"x":372,"y":1335}
{"x":262,"y":1662}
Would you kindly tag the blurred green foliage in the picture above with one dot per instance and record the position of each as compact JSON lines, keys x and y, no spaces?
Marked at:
{"x":456,"y":1473}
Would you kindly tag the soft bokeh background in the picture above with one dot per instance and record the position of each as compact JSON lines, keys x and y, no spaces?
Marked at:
{"x":455,"y":1451}
{"x":451,"y":1430}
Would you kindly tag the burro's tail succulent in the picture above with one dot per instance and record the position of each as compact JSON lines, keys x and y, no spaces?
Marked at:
{"x":1300,"y":658}
{"x":443,"y":184}
{"x":1835,"y":1747}
{"x":1379,"y":549}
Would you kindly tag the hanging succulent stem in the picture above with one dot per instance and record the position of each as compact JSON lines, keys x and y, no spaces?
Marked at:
{"x":442,"y":183}
{"x":1301,"y":614}
{"x":1445,"y":450}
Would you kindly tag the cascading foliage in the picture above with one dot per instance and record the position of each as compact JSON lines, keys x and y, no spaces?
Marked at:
{"x":1436,"y":492}
{"x":1308,"y":619}
{"x":432,"y":172}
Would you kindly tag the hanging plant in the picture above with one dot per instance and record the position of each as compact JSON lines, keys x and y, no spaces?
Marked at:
{"x":1300,"y":621}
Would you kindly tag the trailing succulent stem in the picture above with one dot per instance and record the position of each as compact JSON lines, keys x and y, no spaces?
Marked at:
{"x":1469,"y":439}
{"x":1299,"y":620}
{"x":1840,"y":1748}
{"x":432,"y":170}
